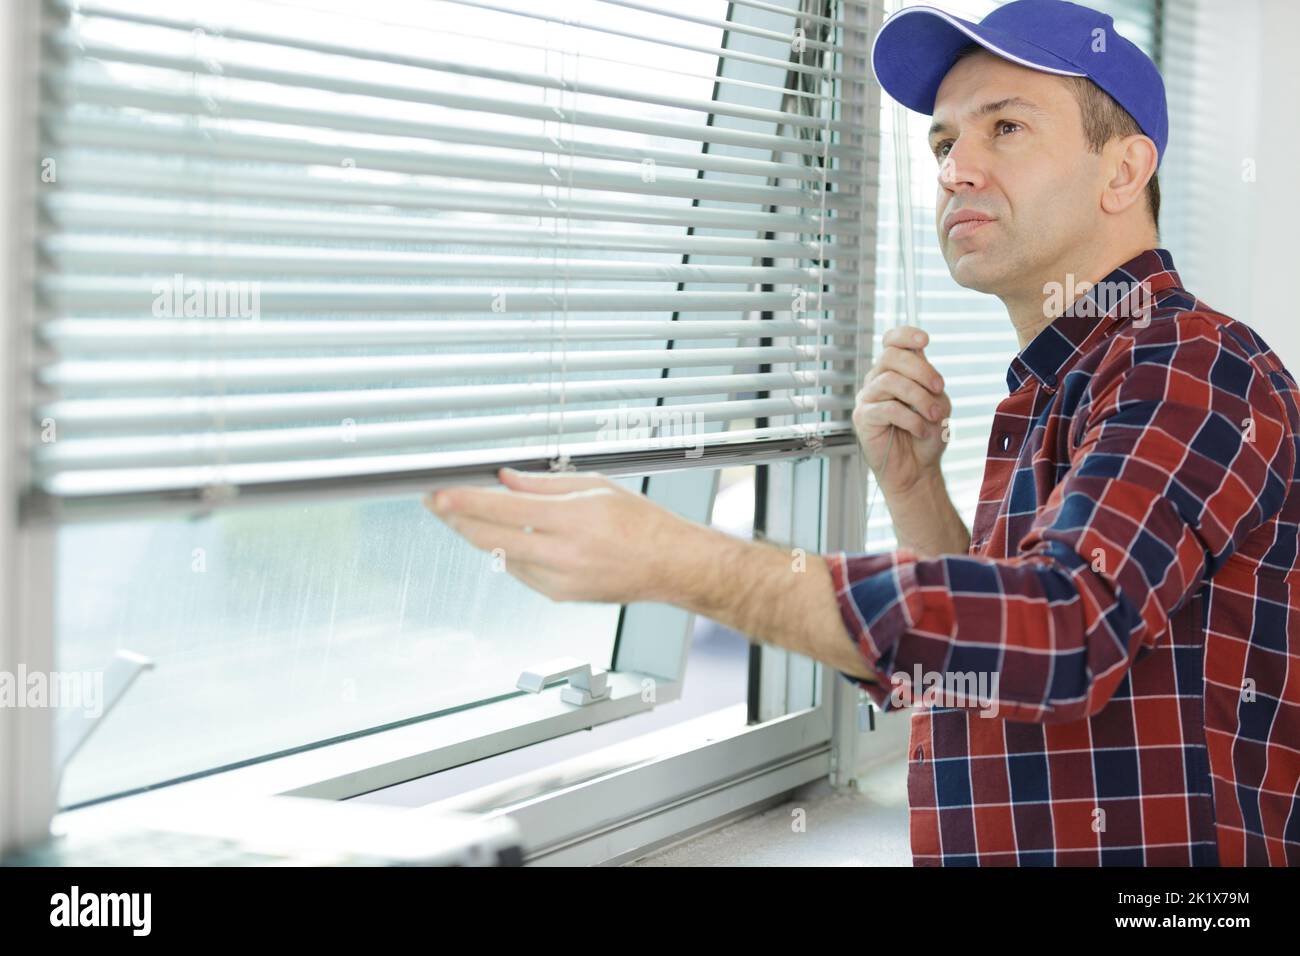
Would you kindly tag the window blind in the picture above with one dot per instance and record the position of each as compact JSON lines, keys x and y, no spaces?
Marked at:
{"x":971,"y":339}
{"x":306,"y":247}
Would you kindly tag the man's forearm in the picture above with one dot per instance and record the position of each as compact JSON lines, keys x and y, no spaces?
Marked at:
{"x":766,"y":593}
{"x":926,"y":521}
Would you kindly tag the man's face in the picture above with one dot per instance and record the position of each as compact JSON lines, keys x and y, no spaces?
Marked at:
{"x":1025,"y":164}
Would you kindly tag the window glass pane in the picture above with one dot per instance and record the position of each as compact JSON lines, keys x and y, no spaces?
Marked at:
{"x":719,"y":679}
{"x":277,"y":627}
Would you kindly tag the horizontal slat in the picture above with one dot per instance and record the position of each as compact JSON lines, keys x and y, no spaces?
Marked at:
{"x":272,"y":372}
{"x":166,"y":257}
{"x":95,"y":292}
{"x":113,"y":492}
{"x":185,"y":335}
{"x":357,"y":438}
{"x":77,"y":416}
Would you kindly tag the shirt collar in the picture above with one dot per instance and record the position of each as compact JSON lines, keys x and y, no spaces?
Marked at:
{"x":1117,"y":298}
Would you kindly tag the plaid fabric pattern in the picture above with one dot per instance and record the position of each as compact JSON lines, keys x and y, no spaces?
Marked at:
{"x":1111,"y":675}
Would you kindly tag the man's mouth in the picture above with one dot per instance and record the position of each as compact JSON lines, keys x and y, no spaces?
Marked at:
{"x":967,"y":227}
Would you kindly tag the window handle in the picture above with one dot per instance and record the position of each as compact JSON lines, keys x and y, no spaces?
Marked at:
{"x":586,"y":683}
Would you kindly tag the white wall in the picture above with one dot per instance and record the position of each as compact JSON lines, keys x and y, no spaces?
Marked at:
{"x":1231,"y":210}
{"x":1274,"y":265}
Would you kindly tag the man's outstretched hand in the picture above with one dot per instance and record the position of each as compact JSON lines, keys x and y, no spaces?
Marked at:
{"x":594,"y":540}
{"x":591,"y":539}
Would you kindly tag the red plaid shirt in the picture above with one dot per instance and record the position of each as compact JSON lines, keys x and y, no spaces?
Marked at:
{"x":1111,"y":675}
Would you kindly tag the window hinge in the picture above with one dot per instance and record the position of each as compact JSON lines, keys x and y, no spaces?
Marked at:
{"x":586,"y":683}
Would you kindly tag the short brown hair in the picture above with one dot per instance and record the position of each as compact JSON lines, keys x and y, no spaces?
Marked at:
{"x":1103,"y":120}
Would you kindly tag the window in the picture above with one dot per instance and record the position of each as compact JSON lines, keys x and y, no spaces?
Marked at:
{"x":299,"y":261}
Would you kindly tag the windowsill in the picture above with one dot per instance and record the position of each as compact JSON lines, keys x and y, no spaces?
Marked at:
{"x":865,"y":826}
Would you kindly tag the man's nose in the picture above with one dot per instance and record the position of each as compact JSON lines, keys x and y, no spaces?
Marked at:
{"x":963,"y":166}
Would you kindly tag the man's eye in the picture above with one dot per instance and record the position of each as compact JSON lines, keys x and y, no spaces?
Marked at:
{"x":940,"y":150}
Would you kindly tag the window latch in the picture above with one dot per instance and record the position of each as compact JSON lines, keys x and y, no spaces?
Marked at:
{"x":586,"y":683}
{"x":866,"y":713}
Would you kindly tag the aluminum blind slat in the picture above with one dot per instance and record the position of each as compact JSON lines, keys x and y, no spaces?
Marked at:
{"x":360,"y":438}
{"x":109,"y":493}
{"x":176,"y":373}
{"x":149,"y":335}
{"x":136,"y":295}
{"x":190,"y":411}
{"x":219,"y":258}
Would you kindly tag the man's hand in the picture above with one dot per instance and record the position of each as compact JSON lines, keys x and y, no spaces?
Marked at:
{"x":591,"y":539}
{"x":903,"y":394}
{"x":903,"y":391}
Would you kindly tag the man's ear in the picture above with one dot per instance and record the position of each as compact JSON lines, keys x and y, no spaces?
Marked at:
{"x":1132,"y":161}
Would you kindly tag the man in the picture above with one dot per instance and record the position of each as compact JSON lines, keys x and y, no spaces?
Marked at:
{"x":1130,"y":590}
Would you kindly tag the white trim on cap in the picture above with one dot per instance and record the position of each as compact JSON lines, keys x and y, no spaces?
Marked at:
{"x":962,"y":27}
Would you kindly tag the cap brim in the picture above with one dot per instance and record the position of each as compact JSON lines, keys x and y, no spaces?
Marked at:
{"x":917,"y":46}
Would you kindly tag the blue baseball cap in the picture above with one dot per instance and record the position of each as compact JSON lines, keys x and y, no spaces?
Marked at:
{"x":917,"y":46}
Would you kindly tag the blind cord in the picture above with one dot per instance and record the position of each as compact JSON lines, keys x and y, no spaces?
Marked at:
{"x":907,"y":268}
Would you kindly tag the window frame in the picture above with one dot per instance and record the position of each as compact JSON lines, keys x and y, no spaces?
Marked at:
{"x":26,"y":554}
